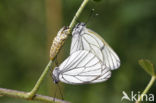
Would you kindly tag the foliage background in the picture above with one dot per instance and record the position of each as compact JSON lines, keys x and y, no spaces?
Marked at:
{"x":27,"y":28}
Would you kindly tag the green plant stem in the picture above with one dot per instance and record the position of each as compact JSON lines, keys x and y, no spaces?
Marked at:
{"x":31,"y":95}
{"x":22,"y":95}
{"x":153,"y":78}
{"x":78,"y":13}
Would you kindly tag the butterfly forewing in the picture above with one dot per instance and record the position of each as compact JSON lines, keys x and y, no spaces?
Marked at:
{"x":76,"y":44}
{"x":83,"y":67}
{"x":91,"y":41}
{"x":110,"y":57}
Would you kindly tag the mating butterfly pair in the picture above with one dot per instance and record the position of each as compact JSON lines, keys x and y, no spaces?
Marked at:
{"x":91,"y":59}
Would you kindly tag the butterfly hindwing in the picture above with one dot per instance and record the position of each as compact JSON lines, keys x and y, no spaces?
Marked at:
{"x":83,"y":67}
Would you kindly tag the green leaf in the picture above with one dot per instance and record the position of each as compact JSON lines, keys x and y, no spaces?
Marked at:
{"x":147,"y":66}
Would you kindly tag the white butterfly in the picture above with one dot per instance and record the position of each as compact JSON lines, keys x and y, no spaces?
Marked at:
{"x":81,"y":67}
{"x":86,"y":39}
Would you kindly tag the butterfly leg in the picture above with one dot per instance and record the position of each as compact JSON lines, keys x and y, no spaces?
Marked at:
{"x":60,"y":91}
{"x":54,"y":95}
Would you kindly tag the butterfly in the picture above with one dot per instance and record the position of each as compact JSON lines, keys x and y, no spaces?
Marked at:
{"x":86,"y":39}
{"x":81,"y":67}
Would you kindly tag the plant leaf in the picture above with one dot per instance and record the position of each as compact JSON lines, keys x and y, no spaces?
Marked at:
{"x":147,"y":66}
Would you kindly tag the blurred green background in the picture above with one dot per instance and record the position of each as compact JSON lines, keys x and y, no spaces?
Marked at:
{"x":27,"y":28}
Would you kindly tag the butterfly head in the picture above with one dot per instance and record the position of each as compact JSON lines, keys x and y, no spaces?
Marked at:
{"x":79,"y":28}
{"x":55,"y":75}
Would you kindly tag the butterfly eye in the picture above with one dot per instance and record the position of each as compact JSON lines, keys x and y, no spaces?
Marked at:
{"x":83,"y":24}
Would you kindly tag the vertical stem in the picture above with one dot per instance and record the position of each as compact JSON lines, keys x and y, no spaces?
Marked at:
{"x":72,"y":24}
{"x":146,"y":89}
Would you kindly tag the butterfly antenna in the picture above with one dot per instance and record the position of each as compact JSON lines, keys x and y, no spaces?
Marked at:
{"x":56,"y":61}
{"x":51,"y":70}
{"x":90,"y":15}
{"x":60,"y":91}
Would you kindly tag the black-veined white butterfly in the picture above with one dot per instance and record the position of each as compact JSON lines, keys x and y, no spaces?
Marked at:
{"x":86,"y":39}
{"x":81,"y":67}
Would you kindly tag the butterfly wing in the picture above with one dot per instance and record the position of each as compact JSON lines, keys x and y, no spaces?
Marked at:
{"x":91,"y":41}
{"x":76,"y":44}
{"x":110,"y":58}
{"x":83,"y":67}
